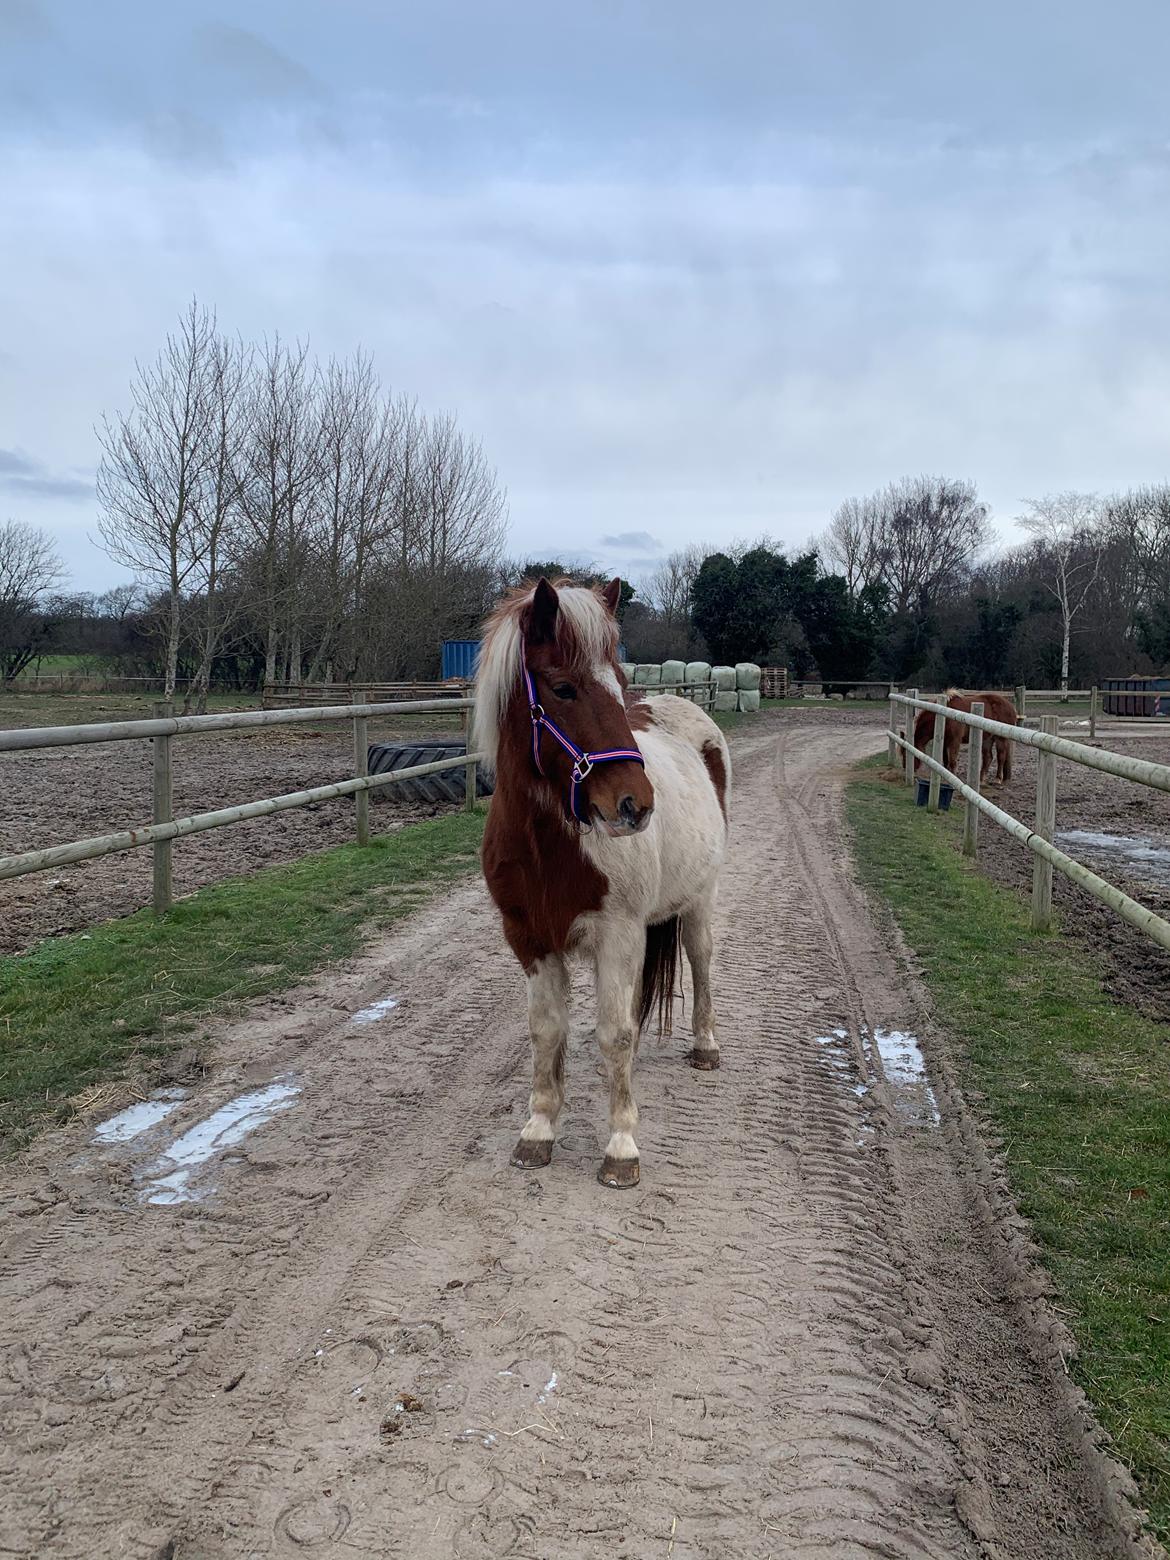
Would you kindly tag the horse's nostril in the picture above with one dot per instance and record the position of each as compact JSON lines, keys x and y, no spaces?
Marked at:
{"x":630,"y":812}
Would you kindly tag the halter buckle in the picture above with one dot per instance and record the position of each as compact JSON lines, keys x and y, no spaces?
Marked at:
{"x":582,"y":768}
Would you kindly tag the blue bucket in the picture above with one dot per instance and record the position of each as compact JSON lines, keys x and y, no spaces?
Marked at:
{"x":945,"y":792}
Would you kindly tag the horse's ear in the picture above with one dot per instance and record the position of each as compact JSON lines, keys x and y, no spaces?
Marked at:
{"x":540,"y":625}
{"x":612,"y":594}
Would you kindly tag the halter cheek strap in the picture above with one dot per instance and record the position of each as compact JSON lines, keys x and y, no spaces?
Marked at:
{"x":583,"y":762}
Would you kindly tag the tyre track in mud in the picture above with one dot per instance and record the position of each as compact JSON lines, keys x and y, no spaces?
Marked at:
{"x":792,"y":1339}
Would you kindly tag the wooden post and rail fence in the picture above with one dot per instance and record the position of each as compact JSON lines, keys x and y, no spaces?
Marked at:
{"x":162,"y":730}
{"x":1037,"y":837}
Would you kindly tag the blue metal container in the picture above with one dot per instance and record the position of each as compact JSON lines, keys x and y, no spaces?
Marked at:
{"x":459,"y":658}
{"x":1119,"y":696}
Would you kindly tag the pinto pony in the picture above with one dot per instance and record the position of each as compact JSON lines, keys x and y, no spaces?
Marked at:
{"x":996,"y":706}
{"x":604,"y":840}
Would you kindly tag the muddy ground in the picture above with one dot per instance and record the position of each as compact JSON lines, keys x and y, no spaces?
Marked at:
{"x":58,"y":794}
{"x":1119,"y":830}
{"x":308,"y":1308}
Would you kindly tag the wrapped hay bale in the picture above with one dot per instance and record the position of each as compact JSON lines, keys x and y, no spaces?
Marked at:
{"x":628,"y":670}
{"x":725,"y":679}
{"x":651,"y":676}
{"x":672,"y":671}
{"x":747,"y":675}
{"x":698,"y":672}
{"x":749,"y":700}
{"x":727,"y":699}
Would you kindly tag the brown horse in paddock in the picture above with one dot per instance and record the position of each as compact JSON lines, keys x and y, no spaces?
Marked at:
{"x":996,"y":706}
{"x":604,"y":841}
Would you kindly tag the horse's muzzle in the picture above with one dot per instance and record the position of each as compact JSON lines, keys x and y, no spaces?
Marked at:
{"x":631,"y":818}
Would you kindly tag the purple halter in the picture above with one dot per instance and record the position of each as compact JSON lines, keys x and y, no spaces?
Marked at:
{"x":582,"y":762}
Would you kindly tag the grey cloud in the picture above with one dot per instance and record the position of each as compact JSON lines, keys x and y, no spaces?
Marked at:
{"x":258,"y":66}
{"x":632,"y":541}
{"x":21,"y":475}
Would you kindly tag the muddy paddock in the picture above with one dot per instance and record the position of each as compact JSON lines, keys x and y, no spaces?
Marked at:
{"x":54,"y":795}
{"x":1120,"y":831}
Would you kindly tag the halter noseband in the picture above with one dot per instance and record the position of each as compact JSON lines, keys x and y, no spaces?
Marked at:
{"x":583,"y":763}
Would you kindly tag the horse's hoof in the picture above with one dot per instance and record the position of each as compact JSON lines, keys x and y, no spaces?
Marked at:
{"x":619,"y":1173}
{"x":703,"y":1061}
{"x":532,"y":1153}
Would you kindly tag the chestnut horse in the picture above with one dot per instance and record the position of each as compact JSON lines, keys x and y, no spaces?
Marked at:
{"x":604,"y":840}
{"x":996,"y":706}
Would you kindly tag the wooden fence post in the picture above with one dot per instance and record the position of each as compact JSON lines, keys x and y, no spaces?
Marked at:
{"x":361,"y":766}
{"x":469,"y":772}
{"x":910,"y":713}
{"x":936,"y":752}
{"x":1021,"y":700}
{"x":974,"y":770}
{"x":1045,"y":828}
{"x":1093,"y":713}
{"x":162,"y":813}
{"x":890,"y":743}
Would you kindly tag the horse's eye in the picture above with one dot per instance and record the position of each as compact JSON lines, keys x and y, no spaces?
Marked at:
{"x":564,"y":690}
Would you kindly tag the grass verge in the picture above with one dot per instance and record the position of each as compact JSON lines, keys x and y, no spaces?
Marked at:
{"x":1077,"y":1086}
{"x":76,"y":1011}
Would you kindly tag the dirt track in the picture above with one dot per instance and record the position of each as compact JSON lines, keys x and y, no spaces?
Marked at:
{"x":808,"y":1332}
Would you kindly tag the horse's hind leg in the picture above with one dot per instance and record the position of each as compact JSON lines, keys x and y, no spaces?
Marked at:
{"x":696,"y":934}
{"x":990,"y":755}
{"x":548,"y":1028}
{"x":619,"y":964}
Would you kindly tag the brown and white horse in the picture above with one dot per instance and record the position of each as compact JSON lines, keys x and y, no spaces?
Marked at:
{"x":996,"y":706}
{"x":604,"y":840}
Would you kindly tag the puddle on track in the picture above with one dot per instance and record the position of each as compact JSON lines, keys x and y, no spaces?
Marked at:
{"x":905,"y":1069}
{"x":902,"y":1065}
{"x":137,"y":1119}
{"x":1144,"y":858}
{"x":172,"y":1178}
{"x":375,"y":1011}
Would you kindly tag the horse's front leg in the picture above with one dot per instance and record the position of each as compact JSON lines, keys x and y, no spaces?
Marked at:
{"x":548,"y":1029}
{"x":620,"y":957}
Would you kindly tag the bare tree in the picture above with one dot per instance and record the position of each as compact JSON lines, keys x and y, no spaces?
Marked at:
{"x":154,"y":461}
{"x":1067,"y":531}
{"x":353,"y":514}
{"x":918,"y":537}
{"x":932,"y":529}
{"x":1139,"y":523}
{"x":217,"y":500}
{"x":856,"y":543}
{"x":120,"y":601}
{"x":29,"y":570}
{"x":666,"y":592}
{"x":282,"y":464}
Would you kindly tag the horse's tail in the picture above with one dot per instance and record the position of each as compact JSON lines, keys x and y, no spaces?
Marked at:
{"x":659,"y":969}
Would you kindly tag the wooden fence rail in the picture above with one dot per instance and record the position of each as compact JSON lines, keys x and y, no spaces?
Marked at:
{"x":233,"y":720}
{"x":1037,"y":838}
{"x":163,"y":728}
{"x":301,"y":694}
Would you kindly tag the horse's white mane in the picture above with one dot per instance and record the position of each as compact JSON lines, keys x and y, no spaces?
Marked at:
{"x":592,"y":632}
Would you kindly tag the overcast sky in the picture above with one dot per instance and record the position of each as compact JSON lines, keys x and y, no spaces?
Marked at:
{"x":690,"y":271}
